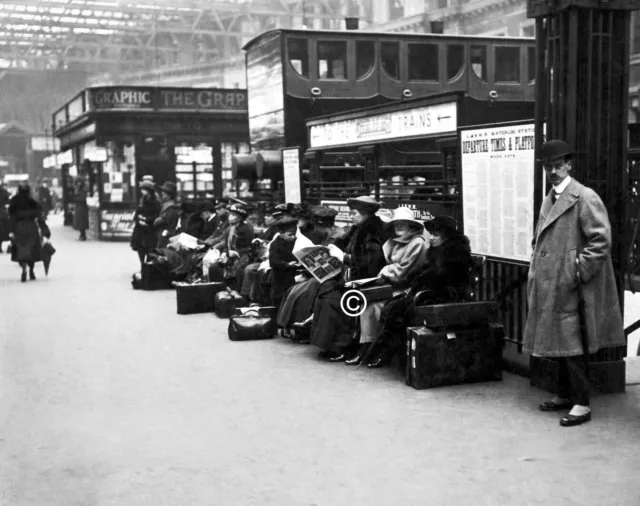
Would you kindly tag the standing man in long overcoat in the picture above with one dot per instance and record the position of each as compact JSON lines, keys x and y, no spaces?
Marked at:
{"x":573,"y":224}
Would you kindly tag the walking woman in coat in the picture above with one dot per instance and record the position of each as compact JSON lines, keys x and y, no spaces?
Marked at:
{"x":573,"y":225}
{"x":28,"y":228}
{"x":445,"y":278}
{"x":5,"y":224}
{"x":81,"y":213}
{"x":361,"y":253}
{"x":145,"y":235}
{"x":405,"y":253}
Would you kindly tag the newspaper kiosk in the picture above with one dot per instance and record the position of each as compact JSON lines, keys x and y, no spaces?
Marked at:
{"x":118,"y":134}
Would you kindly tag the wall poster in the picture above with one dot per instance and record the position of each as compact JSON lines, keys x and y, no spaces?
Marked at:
{"x":291,"y":169}
{"x":497,"y":187}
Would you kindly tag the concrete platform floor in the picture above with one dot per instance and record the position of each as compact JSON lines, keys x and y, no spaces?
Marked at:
{"x":107,"y":397}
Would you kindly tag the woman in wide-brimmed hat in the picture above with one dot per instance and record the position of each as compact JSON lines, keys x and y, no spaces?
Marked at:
{"x":144,"y":237}
{"x":361,"y":253}
{"x":445,"y":278}
{"x":405,"y":253}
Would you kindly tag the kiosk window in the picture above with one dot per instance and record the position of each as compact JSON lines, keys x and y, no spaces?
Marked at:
{"x":455,"y":60}
{"x":507,"y":64}
{"x":119,"y":172}
{"x":423,"y":62}
{"x":332,"y":60}
{"x":365,"y":58}
{"x":299,"y":55}
{"x":390,"y":58}
{"x":531,"y":63}
{"x":479,"y":61}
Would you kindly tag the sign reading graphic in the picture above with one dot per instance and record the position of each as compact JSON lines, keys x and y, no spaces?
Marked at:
{"x":116,"y":224}
{"x":168,"y":99}
{"x":418,"y":122}
{"x":497,"y":187}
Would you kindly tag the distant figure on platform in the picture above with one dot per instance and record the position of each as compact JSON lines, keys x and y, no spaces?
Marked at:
{"x":5,"y":225}
{"x":28,"y":230}
{"x":45,"y":199}
{"x":145,"y":236}
{"x":167,"y":223}
{"x":81,"y":213}
{"x":573,"y":224}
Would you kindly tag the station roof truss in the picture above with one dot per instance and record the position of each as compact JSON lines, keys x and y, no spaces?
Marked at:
{"x":99,"y":35}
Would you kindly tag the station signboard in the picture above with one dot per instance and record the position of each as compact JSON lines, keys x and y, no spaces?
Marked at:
{"x":116,"y":224}
{"x":410,"y":123}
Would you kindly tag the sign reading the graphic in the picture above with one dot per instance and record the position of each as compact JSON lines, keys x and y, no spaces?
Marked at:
{"x":116,"y":224}
{"x":497,"y":187}
{"x":418,"y":122}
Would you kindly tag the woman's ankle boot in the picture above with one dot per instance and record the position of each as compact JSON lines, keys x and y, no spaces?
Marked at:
{"x":32,"y":275}
{"x":362,"y":351}
{"x":23,"y":278}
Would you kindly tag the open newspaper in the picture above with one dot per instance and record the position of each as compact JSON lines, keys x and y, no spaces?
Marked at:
{"x":319,"y":262}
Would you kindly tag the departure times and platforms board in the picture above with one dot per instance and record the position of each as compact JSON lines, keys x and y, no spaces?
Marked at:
{"x":497,"y":190}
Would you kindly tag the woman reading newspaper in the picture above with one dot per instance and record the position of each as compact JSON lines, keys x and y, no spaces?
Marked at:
{"x":361,"y":253}
{"x":297,"y":304}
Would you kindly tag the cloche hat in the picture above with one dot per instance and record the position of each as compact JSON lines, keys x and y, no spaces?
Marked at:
{"x":403,"y":215}
{"x":147,"y":185}
{"x":443,"y":224}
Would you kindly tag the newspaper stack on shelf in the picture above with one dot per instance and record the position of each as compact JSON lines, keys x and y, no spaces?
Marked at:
{"x":319,"y":262}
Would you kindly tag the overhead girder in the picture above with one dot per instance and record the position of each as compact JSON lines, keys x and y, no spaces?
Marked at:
{"x":144,"y":33}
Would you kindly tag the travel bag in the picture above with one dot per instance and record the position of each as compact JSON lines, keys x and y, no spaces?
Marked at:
{"x":442,"y":357}
{"x":197,"y":297}
{"x":253,"y":323}
{"x":227,"y":301}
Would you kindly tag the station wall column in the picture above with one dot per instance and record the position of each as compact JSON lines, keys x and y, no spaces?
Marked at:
{"x":582,"y":75}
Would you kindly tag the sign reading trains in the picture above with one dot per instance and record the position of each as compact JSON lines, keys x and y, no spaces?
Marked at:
{"x":497,"y":188}
{"x":168,"y":99}
{"x":418,"y":122}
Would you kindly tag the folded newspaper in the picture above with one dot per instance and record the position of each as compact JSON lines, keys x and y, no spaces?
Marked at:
{"x":357,"y":283}
{"x":185,"y":241}
{"x":319,"y":262}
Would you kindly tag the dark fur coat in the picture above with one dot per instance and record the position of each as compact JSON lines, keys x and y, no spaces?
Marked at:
{"x":363,"y":245}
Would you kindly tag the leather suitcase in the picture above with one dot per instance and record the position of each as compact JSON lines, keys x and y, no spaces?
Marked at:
{"x":446,"y":357}
{"x":254,"y":324}
{"x":377,"y":293}
{"x":197,"y":297}
{"x":227,"y":301}
{"x":154,"y":277}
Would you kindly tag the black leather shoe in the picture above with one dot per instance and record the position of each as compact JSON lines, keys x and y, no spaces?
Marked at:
{"x":573,"y":420}
{"x":338,"y":358}
{"x":357,"y":360}
{"x":32,"y":275}
{"x":23,"y":278}
{"x":554,"y":406}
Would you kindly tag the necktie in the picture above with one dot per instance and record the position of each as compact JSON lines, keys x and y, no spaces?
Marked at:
{"x":554,"y":196}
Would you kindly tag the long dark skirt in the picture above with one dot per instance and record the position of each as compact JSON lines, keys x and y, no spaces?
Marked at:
{"x":297,"y":304}
{"x":331,"y":329}
{"x":26,"y":243}
{"x":261,"y":289}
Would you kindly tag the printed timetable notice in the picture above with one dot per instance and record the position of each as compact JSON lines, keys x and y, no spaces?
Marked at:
{"x":497,"y":184}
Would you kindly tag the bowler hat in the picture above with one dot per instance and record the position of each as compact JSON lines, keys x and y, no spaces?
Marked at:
{"x":170,"y":188}
{"x":554,"y":149}
{"x":239,"y":211}
{"x":287,"y":223}
{"x":443,"y":224}
{"x":364,"y":203}
{"x":403,"y":215}
{"x":148,"y":185}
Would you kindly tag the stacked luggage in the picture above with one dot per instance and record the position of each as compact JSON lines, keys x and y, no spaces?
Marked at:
{"x":455,"y":344}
